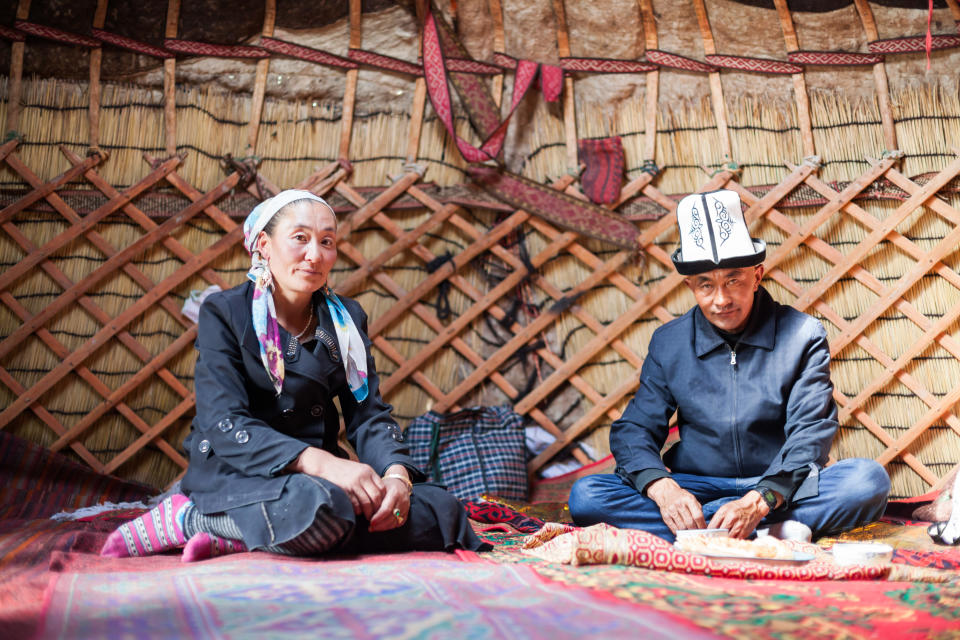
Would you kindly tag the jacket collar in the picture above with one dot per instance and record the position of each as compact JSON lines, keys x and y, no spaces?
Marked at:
{"x":760,"y":332}
{"x":294,"y":360}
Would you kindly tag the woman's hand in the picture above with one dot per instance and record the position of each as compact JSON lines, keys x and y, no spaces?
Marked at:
{"x":362,"y":485}
{"x":396,"y":501}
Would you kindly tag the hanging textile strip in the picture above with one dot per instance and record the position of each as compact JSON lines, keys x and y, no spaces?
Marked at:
{"x":603,"y":175}
{"x":52,"y":33}
{"x":476,"y":67}
{"x":194,"y":48}
{"x":606,"y":65}
{"x":555,"y":206}
{"x":551,"y":81}
{"x":129,"y":43}
{"x":832,"y":58}
{"x":914,"y":44}
{"x":759,"y":65}
{"x":308,"y":54}
{"x":482,"y":111}
{"x":674,"y":61}
{"x":384,"y":62}
{"x":11,"y":34}
{"x":436,"y":77}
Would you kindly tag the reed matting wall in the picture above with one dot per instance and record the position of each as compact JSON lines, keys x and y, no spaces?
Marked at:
{"x":467,"y":305}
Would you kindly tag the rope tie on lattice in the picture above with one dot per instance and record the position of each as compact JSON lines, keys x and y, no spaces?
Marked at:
{"x":730,"y":165}
{"x":444,"y":310}
{"x":649,"y":166}
{"x":415,"y":167}
{"x":813,"y":161}
{"x":896,"y":154}
{"x":347,"y":167}
{"x":246,"y":168}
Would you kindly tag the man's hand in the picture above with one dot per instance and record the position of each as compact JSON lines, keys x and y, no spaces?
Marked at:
{"x":678,"y":507}
{"x":361,"y":483}
{"x":741,"y":516}
{"x":396,"y":500}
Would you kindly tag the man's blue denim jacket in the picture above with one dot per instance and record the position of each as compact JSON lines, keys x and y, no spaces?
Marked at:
{"x":763,"y":409}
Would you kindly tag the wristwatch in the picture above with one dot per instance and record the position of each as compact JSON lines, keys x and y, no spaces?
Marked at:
{"x":769,"y":497}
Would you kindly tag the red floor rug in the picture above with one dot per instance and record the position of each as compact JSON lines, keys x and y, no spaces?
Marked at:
{"x":414,"y":595}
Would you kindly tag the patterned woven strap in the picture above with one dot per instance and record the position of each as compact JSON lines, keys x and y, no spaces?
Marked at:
{"x":131,"y":44}
{"x":832,"y":58}
{"x":674,"y":61}
{"x":52,"y":33}
{"x":461,"y":65}
{"x":555,"y":206}
{"x":551,"y":82}
{"x":914,"y":44}
{"x":384,"y":62}
{"x":504,"y":60}
{"x":194,"y":48}
{"x":606,"y":65}
{"x":11,"y":34}
{"x":436,"y":76}
{"x":759,"y":65}
{"x":306,"y":53}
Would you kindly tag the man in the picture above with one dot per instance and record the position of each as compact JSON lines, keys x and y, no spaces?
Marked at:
{"x":749,"y":380}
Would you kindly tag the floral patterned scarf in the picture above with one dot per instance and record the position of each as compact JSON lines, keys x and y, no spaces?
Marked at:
{"x":264,"y":312}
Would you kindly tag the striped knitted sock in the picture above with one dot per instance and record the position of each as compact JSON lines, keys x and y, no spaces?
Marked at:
{"x":206,"y":545}
{"x":156,"y":531}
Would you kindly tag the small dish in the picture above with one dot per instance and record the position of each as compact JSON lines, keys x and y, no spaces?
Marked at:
{"x":799,"y":557}
{"x":861,"y":553}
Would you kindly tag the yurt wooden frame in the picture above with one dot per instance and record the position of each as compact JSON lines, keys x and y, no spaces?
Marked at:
{"x":486,"y":368}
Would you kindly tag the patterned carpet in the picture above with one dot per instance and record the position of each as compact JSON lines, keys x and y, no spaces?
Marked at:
{"x":415,"y":595}
{"x":51,"y":578}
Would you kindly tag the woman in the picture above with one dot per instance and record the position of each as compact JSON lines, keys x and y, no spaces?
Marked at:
{"x":265,"y":470}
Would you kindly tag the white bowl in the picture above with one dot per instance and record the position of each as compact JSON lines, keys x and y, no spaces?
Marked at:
{"x":862,"y":553}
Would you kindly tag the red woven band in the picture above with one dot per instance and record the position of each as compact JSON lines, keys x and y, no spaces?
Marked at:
{"x":914,"y":44}
{"x":306,"y":53}
{"x":758,"y":65}
{"x":52,"y":33}
{"x":832,"y":58}
{"x":131,"y":44}
{"x":672,"y":60}
{"x":194,"y":48}
{"x":606,"y":65}
{"x":384,"y":62}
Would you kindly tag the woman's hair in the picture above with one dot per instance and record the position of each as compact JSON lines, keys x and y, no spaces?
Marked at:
{"x":282,"y":213}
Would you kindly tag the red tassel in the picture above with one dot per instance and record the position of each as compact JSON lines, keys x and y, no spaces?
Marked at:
{"x":929,"y":40}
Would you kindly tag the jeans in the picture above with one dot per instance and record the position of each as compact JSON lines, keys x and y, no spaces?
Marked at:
{"x":852,"y":492}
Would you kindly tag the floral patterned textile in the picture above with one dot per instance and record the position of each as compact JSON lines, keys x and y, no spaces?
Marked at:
{"x":265,"y":314}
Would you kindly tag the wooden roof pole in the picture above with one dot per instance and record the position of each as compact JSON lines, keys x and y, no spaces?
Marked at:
{"x":955,"y":11}
{"x":653,"y":82}
{"x":799,"y":80}
{"x":260,"y":84}
{"x":879,"y":77}
{"x":569,"y":104}
{"x":716,"y":90}
{"x":499,"y":44}
{"x":96,"y":57}
{"x":419,"y":96}
{"x":170,"y":81}
{"x":350,"y":92}
{"x":16,"y":73}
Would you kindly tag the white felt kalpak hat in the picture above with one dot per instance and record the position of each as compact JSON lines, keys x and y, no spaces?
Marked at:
{"x":714,"y":235}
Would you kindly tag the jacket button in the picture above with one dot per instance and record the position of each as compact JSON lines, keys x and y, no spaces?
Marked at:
{"x":204,"y":446}
{"x":287,"y":413}
{"x":242,"y":436}
{"x":316,"y":411}
{"x":225,"y":425}
{"x":395,"y":432}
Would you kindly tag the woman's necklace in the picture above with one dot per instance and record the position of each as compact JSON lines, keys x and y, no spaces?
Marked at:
{"x":309,"y":322}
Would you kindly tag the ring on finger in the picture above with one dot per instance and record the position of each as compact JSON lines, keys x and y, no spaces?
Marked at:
{"x":398,"y":515}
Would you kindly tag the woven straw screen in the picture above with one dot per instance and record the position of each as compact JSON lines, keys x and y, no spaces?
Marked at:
{"x":100,"y":255}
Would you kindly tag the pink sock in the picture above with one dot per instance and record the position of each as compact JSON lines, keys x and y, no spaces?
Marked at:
{"x":206,"y":545}
{"x":156,"y":531}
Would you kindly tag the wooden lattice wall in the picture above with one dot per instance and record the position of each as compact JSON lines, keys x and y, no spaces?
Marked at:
{"x":570,"y":314}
